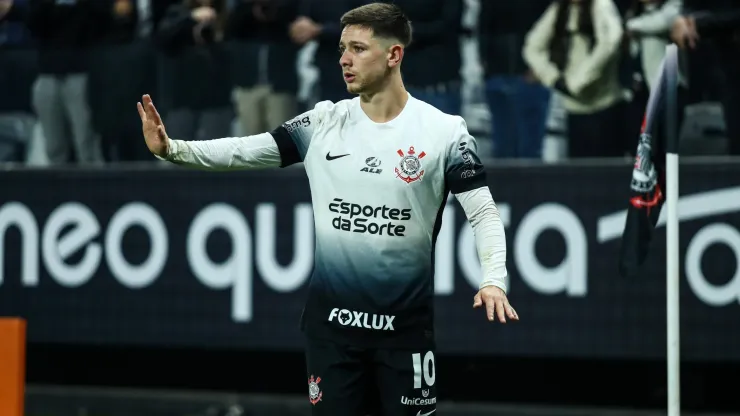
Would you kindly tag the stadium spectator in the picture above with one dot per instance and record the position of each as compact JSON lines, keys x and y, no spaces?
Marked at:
{"x":718,"y":21}
{"x":648,"y":26}
{"x":263,"y":63}
{"x":13,"y":31}
{"x":436,"y":43}
{"x":517,"y":101}
{"x":117,"y":75}
{"x":197,"y":88}
{"x":16,"y":77}
{"x":575,"y":48}
{"x":647,"y":29}
{"x":122,"y":22}
{"x":319,"y":21}
{"x":65,"y":32}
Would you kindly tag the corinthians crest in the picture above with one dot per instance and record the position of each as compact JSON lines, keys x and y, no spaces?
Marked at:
{"x":644,"y":175}
{"x":314,"y":391}
{"x":409,"y":168}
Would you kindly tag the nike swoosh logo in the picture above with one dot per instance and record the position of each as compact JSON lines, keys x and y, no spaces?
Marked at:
{"x":425,"y":414}
{"x":330,"y":157}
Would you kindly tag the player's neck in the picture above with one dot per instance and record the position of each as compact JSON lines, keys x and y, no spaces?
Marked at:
{"x":386,"y":104}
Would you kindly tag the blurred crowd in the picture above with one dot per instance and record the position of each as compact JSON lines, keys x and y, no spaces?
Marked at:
{"x":557,"y":79}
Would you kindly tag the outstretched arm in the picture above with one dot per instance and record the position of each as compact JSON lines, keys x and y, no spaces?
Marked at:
{"x":230,"y":153}
{"x":656,"y":23}
{"x":279,"y":148}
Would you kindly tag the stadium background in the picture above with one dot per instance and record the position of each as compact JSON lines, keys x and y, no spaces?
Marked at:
{"x":109,"y":339}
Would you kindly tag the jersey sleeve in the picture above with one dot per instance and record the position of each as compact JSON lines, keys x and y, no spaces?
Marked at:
{"x":252,"y":152}
{"x":294,"y":137}
{"x":464,"y":170}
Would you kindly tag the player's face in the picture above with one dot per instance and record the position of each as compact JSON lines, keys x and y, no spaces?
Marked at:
{"x":364,"y":59}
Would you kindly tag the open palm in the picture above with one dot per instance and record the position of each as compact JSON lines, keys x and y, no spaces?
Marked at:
{"x":152,"y":127}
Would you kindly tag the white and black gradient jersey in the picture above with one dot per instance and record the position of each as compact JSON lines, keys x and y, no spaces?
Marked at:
{"x":378,"y":192}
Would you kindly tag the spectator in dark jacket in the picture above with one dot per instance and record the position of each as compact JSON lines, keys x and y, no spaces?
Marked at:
{"x":65,"y":32}
{"x":719,"y":22}
{"x":263,"y":63}
{"x":517,"y":100}
{"x":319,"y":20}
{"x":17,"y":60}
{"x":119,"y":78}
{"x":17,"y":73}
{"x":197,"y":86}
{"x":431,"y":69}
{"x":13,"y":30}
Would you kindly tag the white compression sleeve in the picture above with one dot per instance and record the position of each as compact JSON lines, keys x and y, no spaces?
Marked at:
{"x":251,"y":152}
{"x":490,"y":238}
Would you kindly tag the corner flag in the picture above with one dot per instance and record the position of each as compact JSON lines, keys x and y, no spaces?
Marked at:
{"x":648,"y":185}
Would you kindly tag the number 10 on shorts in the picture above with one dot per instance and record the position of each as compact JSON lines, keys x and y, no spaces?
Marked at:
{"x":426,"y":368}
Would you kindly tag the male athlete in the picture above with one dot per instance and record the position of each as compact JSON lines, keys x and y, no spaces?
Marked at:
{"x":380,"y":167}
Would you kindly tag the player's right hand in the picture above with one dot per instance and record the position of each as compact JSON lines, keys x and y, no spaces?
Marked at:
{"x":496,"y":304}
{"x":153,"y":128}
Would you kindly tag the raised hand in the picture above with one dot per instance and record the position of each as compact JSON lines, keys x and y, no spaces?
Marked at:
{"x":153,"y":128}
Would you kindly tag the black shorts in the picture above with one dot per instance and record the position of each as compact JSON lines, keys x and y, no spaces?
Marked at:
{"x":350,"y":381}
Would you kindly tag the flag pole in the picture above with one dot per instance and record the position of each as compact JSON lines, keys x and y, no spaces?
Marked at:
{"x":672,"y":257}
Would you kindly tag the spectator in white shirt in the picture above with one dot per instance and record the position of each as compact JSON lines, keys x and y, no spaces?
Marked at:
{"x":575,"y":48}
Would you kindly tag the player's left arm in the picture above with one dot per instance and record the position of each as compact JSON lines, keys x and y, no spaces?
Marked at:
{"x":466,"y":179}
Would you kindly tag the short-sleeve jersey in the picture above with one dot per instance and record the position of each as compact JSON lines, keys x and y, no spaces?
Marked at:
{"x":378,"y":191}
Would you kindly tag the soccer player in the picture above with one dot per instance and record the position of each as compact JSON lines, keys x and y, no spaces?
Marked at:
{"x":380,"y":167}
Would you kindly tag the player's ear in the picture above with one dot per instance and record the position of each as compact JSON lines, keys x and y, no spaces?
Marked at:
{"x":395,"y":55}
